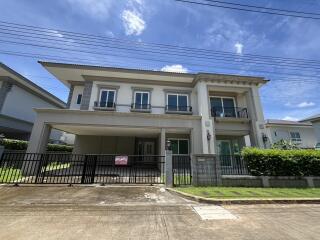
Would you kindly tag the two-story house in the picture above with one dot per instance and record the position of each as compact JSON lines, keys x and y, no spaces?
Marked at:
{"x":300,"y":133}
{"x":18,"y":97}
{"x":315,"y":121}
{"x":130,"y":111}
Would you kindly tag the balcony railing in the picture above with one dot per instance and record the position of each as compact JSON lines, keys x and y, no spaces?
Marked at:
{"x":178,"y":109}
{"x":105,"y":105}
{"x":229,"y":112}
{"x":140,"y":107}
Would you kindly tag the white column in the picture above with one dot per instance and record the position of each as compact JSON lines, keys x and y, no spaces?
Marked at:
{"x":256,"y":116}
{"x":208,"y":146}
{"x":163,"y":142}
{"x":39,"y":137}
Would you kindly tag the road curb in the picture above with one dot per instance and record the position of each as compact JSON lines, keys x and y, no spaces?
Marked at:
{"x":244,"y":201}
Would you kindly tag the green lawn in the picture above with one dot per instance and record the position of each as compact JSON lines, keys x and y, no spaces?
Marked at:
{"x":9,"y":174}
{"x":56,"y":166}
{"x":241,"y":192}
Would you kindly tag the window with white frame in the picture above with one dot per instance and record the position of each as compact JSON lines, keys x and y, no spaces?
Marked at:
{"x":295,"y":136}
{"x":141,"y":100}
{"x":107,"y":98}
{"x":223,"y":106}
{"x":180,"y":146}
{"x":177,"y":102}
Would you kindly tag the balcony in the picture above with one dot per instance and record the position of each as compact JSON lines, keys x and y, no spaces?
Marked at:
{"x":104,"y":106}
{"x":138,"y":107}
{"x":229,"y":112}
{"x":174,"y":109}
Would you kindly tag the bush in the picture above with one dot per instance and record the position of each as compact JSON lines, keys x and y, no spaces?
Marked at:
{"x":59,"y":148}
{"x":276,"y":162}
{"x":11,"y":144}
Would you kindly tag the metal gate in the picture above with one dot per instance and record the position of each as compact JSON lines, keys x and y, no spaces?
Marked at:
{"x":66,"y":168}
{"x":181,"y":167}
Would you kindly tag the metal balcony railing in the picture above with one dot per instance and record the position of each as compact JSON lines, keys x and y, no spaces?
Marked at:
{"x":140,"y":107}
{"x":229,"y":112}
{"x":175,"y":108}
{"x":107,"y":105}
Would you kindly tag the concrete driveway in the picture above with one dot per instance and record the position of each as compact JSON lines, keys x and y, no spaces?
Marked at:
{"x":46,"y":212}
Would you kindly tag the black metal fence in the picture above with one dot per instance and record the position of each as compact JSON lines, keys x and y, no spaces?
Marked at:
{"x":65,"y":168}
{"x":181,"y":167}
{"x":233,"y":165}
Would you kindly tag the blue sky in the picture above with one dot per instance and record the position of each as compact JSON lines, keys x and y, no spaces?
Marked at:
{"x":291,"y":94}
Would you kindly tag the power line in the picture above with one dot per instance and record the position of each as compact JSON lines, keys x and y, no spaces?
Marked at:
{"x":112,"y":63}
{"x":220,"y":58}
{"x":135,"y":43}
{"x":214,"y":57}
{"x":264,"y":8}
{"x":299,"y":67}
{"x":234,"y":7}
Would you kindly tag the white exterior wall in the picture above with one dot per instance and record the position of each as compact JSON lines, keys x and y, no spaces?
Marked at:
{"x":307,"y":134}
{"x":76,"y":91}
{"x":124,"y":97}
{"x":19,"y":103}
{"x":316,"y":127}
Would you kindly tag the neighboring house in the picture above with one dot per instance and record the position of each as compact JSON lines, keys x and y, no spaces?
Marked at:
{"x":128,"y":111}
{"x":315,"y":121}
{"x":18,"y":97}
{"x":300,"y":133}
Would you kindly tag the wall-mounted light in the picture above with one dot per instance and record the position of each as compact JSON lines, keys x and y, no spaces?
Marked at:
{"x":208,"y":135}
{"x":264,"y":138}
{"x":168,"y":145}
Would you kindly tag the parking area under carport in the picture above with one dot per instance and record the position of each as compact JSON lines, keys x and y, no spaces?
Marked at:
{"x":141,"y":212}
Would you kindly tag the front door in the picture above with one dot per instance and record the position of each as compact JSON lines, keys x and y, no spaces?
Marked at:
{"x":146,"y":147}
{"x":224,"y":151}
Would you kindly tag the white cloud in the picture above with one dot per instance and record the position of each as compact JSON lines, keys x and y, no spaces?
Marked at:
{"x":55,"y":33}
{"x":288,"y":118}
{"x":110,"y":34}
{"x":95,"y":8}
{"x":239,"y":48}
{"x":133,"y":22}
{"x":306,"y":104}
{"x":174,"y":68}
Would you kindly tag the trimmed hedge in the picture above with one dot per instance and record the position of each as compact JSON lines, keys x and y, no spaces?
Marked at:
{"x":11,"y":144}
{"x":275,"y":162}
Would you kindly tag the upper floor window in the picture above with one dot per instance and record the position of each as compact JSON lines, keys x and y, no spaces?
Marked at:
{"x":107,"y":98}
{"x":79,"y":97}
{"x":141,"y":100}
{"x":177,"y":102}
{"x":223,"y":106}
{"x":295,"y":136}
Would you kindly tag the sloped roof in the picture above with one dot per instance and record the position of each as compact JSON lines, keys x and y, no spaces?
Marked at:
{"x":6,"y":71}
{"x":286,"y":122}
{"x":312,"y":118}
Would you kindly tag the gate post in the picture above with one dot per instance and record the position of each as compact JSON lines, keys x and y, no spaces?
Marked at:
{"x":1,"y":146}
{"x":206,"y":170}
{"x":168,"y":165}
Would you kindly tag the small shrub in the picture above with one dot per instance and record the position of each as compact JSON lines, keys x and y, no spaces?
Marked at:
{"x":59,"y":148}
{"x":11,"y":144}
{"x":276,"y":162}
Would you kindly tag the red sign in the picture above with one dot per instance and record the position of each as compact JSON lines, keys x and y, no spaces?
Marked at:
{"x":121,"y":160}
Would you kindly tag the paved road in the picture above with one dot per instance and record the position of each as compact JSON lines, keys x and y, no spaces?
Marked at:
{"x":141,"y":213}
